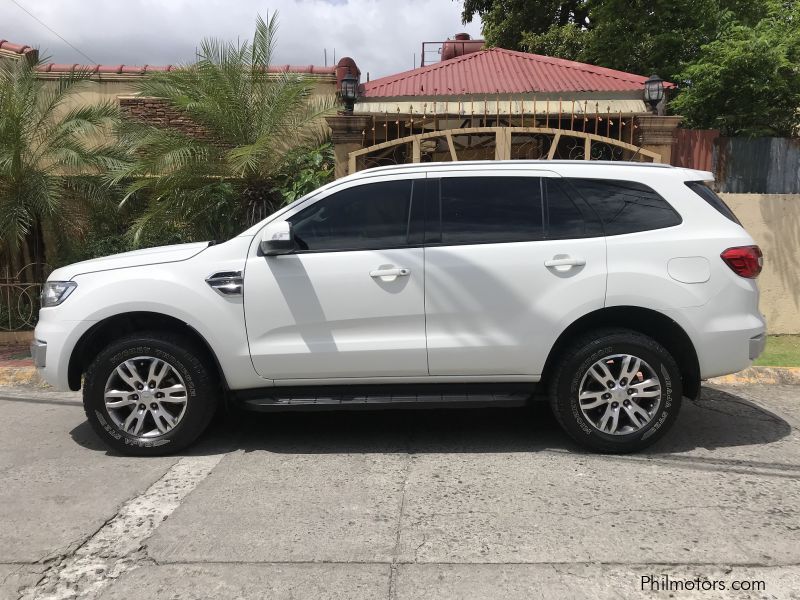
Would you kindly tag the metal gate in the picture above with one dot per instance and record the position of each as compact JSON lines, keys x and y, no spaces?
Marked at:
{"x":498,"y":143}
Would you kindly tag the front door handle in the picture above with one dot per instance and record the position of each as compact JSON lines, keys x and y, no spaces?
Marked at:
{"x":393,"y":272}
{"x":564,"y":261}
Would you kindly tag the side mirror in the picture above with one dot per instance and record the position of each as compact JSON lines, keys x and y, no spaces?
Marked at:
{"x":277,"y":239}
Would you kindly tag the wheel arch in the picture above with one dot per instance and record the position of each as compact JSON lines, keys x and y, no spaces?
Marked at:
{"x":647,"y":321}
{"x":107,"y":330}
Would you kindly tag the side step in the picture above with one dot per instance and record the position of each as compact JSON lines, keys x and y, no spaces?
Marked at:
{"x":339,"y":401}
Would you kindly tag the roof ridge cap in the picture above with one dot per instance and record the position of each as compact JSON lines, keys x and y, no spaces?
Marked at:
{"x":573,"y":64}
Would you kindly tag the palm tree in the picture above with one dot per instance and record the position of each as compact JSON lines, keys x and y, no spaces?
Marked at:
{"x":51,"y":152}
{"x":209,"y":185}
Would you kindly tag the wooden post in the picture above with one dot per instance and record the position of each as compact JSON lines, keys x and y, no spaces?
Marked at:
{"x":502,"y":144}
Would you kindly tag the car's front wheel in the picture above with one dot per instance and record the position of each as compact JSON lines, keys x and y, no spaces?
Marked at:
{"x":150,"y":394}
{"x":616,"y":391}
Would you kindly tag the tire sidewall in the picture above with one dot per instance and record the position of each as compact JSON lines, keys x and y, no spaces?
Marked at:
{"x":576,"y":366}
{"x":198,"y":393}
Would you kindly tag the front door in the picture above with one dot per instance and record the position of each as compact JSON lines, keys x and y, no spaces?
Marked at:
{"x":350,"y":301}
{"x":516,"y":260}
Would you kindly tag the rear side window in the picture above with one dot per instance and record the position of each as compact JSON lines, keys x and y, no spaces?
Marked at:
{"x":707,"y":194}
{"x":626,"y":206}
{"x":482,"y":210}
{"x":567,"y":215}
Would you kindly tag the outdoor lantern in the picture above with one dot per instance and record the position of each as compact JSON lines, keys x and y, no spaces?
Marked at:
{"x":349,"y":92}
{"x":654,"y":91}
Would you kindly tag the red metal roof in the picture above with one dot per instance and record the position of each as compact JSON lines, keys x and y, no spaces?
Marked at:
{"x":500,"y":71}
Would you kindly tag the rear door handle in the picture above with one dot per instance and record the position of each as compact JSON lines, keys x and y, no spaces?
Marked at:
{"x":565,"y":261}
{"x":394,"y":272}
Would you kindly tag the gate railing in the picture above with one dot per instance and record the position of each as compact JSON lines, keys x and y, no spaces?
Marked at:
{"x":19,"y":297}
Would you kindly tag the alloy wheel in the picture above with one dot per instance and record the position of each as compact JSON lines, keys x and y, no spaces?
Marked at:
{"x":145,"y":396}
{"x":619,"y":394}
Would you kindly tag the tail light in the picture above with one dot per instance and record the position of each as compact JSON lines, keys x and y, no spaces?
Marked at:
{"x":745,"y":261}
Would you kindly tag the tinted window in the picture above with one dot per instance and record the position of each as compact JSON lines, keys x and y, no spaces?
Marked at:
{"x":707,"y":194}
{"x":478,"y":210}
{"x":375,"y":215}
{"x":564,"y":218}
{"x":626,"y":206}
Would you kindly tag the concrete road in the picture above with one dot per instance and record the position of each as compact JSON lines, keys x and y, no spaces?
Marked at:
{"x":404,"y":505}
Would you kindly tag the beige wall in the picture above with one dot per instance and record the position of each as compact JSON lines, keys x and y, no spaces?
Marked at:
{"x":774,"y":221}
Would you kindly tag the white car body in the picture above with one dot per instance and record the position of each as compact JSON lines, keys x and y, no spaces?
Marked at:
{"x":465,"y":313}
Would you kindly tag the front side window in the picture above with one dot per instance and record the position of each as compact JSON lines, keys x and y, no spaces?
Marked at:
{"x":626,"y":206}
{"x":371,"y":216}
{"x":481,"y":210}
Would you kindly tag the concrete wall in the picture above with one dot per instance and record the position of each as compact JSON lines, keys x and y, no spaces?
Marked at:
{"x":774,"y":221}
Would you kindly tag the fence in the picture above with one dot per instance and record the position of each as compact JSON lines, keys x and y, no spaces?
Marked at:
{"x":19,"y":298}
{"x":741,"y":165}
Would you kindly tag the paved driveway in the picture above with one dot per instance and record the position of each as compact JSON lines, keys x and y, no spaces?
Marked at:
{"x":407,"y":505}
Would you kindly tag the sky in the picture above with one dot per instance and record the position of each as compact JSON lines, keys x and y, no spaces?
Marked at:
{"x":381,"y":35}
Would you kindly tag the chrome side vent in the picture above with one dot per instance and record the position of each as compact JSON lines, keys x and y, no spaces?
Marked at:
{"x":227,"y":283}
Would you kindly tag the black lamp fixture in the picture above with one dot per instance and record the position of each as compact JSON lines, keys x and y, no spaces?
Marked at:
{"x":654,"y":92}
{"x":349,"y":92}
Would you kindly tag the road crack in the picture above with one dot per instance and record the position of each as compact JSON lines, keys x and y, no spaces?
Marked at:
{"x":119,"y":544}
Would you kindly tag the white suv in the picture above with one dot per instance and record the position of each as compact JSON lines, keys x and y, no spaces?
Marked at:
{"x":614,"y":288}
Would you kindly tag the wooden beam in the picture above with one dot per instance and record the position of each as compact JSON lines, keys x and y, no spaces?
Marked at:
{"x":587,"y":148}
{"x":453,"y":155}
{"x":554,"y":146}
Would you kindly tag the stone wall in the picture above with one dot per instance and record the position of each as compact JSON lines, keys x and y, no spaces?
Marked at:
{"x":774,"y":222}
{"x":156,"y":111}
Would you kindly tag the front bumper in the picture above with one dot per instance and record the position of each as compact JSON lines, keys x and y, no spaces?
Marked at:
{"x":39,"y":353}
{"x":53,"y":342}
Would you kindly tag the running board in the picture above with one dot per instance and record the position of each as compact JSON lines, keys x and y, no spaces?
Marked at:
{"x":312,"y":401}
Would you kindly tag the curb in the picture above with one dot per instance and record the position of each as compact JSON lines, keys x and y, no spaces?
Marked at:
{"x":17,"y":376}
{"x":15,"y":338}
{"x":760,"y":375}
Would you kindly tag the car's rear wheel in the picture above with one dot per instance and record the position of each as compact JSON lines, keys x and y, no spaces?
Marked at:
{"x":150,"y":394}
{"x":616,"y":391}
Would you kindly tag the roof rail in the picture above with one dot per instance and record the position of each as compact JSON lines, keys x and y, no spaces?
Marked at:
{"x":483,"y":163}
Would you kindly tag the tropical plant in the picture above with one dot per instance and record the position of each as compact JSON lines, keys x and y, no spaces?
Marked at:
{"x":211,"y":182}
{"x":305,"y":170}
{"x":50,"y":154}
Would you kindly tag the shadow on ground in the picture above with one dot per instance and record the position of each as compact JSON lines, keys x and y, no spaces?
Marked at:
{"x":719,"y":420}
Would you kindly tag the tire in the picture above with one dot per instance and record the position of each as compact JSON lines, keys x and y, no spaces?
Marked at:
{"x":591,"y":420}
{"x":168,"y":423}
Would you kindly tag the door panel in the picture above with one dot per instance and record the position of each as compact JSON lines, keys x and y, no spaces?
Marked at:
{"x":496,"y":309}
{"x":329,"y":315}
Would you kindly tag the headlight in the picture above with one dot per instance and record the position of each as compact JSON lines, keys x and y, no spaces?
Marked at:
{"x":55,"y":292}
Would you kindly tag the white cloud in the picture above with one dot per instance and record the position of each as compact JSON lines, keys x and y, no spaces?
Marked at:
{"x":381,"y":35}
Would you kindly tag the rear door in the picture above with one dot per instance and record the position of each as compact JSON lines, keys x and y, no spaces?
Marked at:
{"x":510,"y":261}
